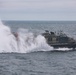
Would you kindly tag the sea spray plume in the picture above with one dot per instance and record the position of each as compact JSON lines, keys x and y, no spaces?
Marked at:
{"x":7,"y":42}
{"x":1,"y":22}
{"x":28,"y":42}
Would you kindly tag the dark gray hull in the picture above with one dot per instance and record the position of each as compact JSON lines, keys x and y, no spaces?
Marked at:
{"x":59,"y":40}
{"x":64,"y":45}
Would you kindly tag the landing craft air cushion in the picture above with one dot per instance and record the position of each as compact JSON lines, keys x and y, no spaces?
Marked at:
{"x":59,"y":40}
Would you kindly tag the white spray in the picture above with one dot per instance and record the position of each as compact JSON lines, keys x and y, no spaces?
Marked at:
{"x":7,"y":39}
{"x":26,"y":42}
{"x":29,"y":42}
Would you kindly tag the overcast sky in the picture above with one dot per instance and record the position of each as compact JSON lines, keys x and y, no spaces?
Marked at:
{"x":38,"y":9}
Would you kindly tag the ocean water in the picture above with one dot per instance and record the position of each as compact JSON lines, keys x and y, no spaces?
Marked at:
{"x":30,"y":54}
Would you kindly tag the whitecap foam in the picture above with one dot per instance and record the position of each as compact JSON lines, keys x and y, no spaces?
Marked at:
{"x":63,"y":49}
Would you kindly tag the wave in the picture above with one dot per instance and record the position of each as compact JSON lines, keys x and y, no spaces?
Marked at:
{"x":26,"y":42}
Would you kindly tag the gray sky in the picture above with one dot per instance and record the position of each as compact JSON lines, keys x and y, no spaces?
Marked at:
{"x":38,"y":9}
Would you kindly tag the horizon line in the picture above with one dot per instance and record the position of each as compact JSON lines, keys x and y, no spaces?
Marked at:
{"x":38,"y":20}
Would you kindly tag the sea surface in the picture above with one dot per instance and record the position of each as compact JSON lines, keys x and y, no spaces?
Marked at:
{"x":30,"y":54}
